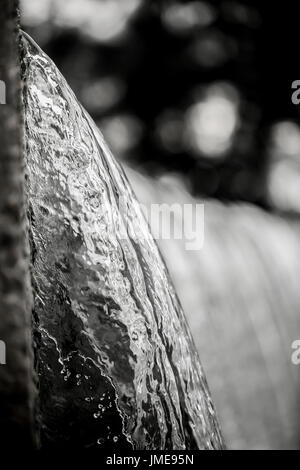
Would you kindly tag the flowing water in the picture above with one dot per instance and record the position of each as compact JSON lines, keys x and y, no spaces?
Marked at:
{"x":116,"y":362}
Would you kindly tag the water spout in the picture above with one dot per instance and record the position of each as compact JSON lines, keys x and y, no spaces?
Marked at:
{"x":116,"y":362}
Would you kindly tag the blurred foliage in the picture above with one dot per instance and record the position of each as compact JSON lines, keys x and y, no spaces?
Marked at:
{"x":193,"y":87}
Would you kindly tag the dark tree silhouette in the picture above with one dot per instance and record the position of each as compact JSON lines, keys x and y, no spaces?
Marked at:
{"x":17,"y":388}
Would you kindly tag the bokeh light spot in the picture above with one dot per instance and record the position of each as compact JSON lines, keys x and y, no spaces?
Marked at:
{"x":123,"y":132}
{"x":101,"y":21}
{"x":184,"y":18}
{"x":212,"y":121}
{"x":102,"y":94}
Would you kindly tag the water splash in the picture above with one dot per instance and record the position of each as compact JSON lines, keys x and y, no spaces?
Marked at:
{"x":116,"y":363}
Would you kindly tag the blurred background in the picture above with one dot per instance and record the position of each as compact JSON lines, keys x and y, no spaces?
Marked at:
{"x":200,"y":88}
{"x":194,"y":98}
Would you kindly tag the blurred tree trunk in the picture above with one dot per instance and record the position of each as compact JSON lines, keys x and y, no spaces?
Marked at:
{"x":17,"y":381}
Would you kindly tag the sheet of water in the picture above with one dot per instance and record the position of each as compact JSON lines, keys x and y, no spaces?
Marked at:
{"x":116,"y":362}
